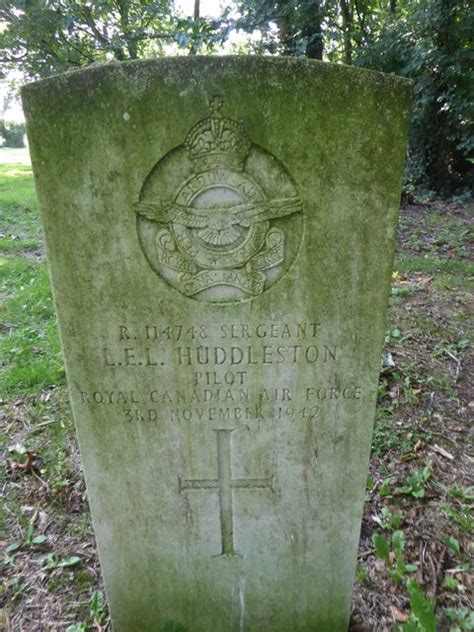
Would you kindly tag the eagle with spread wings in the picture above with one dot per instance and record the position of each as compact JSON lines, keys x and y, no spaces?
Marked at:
{"x":217,"y":224}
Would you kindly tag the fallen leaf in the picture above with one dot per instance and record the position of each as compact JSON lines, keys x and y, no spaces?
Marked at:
{"x":419,"y":445}
{"x":379,"y":566}
{"x":377,"y":520}
{"x":42,"y":520}
{"x":32,"y":463}
{"x":425,"y":280}
{"x":439,"y":450}
{"x":398,"y":615}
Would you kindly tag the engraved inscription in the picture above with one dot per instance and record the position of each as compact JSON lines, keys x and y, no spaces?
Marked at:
{"x":224,"y":485}
{"x":220,"y":232}
{"x":217,"y":364}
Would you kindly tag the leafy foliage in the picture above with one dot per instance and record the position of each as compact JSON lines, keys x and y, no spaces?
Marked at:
{"x":12,"y":134}
{"x":422,"y":618}
{"x":430,"y":42}
{"x":382,"y":549}
{"x":415,"y":482}
{"x":42,"y":37}
{"x":394,"y":561}
{"x":287,"y":28}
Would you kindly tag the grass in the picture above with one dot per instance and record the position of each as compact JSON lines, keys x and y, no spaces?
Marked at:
{"x":19,"y":223}
{"x":17,"y":192}
{"x":434,"y":265}
{"x":418,"y":493}
{"x":30,"y":346}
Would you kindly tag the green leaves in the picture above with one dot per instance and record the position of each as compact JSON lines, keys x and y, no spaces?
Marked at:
{"x":453,"y":544}
{"x":398,"y":544}
{"x":97,"y":608}
{"x":29,"y":540}
{"x":53,"y":561}
{"x":429,"y":42}
{"x":462,"y":518}
{"x":422,"y":607}
{"x":462,"y":617}
{"x":69,"y":561}
{"x":422,"y":617}
{"x":394,"y":560}
{"x":381,"y":547}
{"x":11,"y":548}
{"x":391,"y":520}
{"x":77,"y":627}
{"x":385,"y":487}
{"x":415,"y":482}
{"x":13,"y":134}
{"x":98,"y":615}
{"x":63,"y":35}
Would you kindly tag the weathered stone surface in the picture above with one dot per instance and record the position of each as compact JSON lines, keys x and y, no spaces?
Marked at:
{"x":220,"y":235}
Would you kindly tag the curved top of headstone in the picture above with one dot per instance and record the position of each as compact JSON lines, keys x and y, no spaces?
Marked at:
{"x":145,"y":68}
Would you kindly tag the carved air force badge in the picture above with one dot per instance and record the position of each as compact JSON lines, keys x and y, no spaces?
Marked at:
{"x":219,"y":217}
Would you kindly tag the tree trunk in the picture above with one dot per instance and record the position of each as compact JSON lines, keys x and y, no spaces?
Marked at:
{"x":347,"y":25}
{"x":361,"y":21}
{"x":194,"y":44}
{"x":285,"y":20}
{"x":313,"y":31}
{"x":443,"y":160}
{"x":130,"y":43}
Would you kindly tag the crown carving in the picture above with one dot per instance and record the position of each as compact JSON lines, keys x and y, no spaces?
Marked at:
{"x":217,"y":141}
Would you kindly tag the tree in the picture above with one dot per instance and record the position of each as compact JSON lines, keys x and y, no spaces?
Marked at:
{"x":12,"y":134}
{"x":319,"y":29}
{"x":429,"y":41}
{"x":42,"y":37}
{"x":432,"y":42}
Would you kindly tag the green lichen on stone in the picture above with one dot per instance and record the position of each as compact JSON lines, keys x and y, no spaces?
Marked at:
{"x":220,"y":234}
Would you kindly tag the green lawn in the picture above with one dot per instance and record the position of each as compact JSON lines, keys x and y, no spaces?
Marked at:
{"x":30,"y":342}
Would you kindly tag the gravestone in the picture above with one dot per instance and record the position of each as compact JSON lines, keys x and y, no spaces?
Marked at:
{"x":220,"y":234}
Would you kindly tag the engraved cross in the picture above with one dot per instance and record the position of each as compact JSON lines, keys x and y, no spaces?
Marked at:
{"x":224,"y":484}
{"x":216,"y":105}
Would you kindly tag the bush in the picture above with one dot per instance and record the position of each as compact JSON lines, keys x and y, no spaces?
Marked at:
{"x":12,"y":134}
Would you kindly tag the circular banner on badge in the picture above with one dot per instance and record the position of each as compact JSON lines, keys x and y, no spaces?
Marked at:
{"x":219,"y":217}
